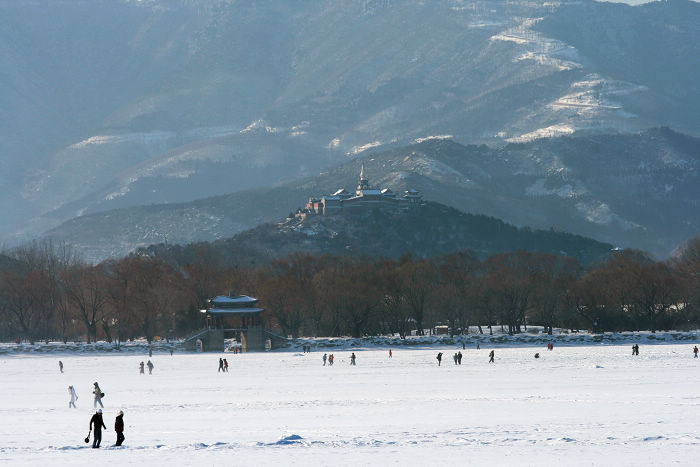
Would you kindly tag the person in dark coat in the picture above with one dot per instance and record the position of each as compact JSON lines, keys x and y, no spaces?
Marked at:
{"x":98,"y":423}
{"x":221,"y":364}
{"x":150,"y":367}
{"x":439,"y":358}
{"x":141,"y":368}
{"x":225,"y":365}
{"x":60,"y":366}
{"x":119,"y":428}
{"x":491,"y":355}
{"x":352,"y":359}
{"x":459,"y":358}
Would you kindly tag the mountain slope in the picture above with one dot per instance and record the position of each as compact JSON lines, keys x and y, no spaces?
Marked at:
{"x":116,"y":103}
{"x":633,"y":190}
{"x":426,"y":231}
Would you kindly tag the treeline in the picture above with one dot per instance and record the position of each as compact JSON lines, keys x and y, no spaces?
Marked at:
{"x":46,"y":293}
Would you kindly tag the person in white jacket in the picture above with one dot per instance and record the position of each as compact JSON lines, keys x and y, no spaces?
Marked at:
{"x":73,"y":397}
{"x":98,"y":395}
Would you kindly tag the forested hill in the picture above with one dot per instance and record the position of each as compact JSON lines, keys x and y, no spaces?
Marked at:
{"x":426,"y":231}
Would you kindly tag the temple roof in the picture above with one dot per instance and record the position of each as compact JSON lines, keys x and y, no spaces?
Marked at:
{"x":231,"y":311}
{"x":238,"y":299}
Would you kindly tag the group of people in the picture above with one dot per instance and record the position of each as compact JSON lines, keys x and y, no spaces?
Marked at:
{"x":457,"y":358}
{"x":97,"y":424}
{"x":149,"y":365}
{"x":223,"y":365}
{"x":306,"y":348}
{"x":635,"y":349}
{"x":97,"y":396}
{"x":329,"y":358}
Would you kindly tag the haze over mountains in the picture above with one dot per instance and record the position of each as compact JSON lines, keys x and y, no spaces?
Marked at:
{"x":637,"y":190}
{"x":114,"y":104}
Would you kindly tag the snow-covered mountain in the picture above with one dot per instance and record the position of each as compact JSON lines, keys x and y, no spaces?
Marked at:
{"x":108,"y":104}
{"x":632,"y":190}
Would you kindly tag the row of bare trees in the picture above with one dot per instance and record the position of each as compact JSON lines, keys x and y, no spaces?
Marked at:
{"x":47,"y":293}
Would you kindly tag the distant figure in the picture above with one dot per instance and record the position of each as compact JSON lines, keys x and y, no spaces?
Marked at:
{"x":352,"y":359}
{"x":491,"y":355}
{"x":150,"y":351}
{"x":464,"y":346}
{"x":225,"y":366}
{"x":60,"y":366}
{"x":171,"y":352}
{"x":330,"y":359}
{"x":439,"y":358}
{"x":98,"y":396}
{"x":150,"y":367}
{"x":325,"y":356}
{"x":454,"y":357}
{"x":551,"y":346}
{"x":141,"y":372}
{"x":459,"y":358}
{"x":73,"y":397}
{"x":477,"y":346}
{"x":635,"y":349}
{"x":390,"y":354}
{"x":97,"y":421}
{"x":537,"y":355}
{"x":221,"y":364}
{"x":695,"y":351}
{"x":119,"y":428}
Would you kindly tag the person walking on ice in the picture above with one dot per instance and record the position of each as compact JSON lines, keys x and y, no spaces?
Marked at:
{"x":98,"y":396}
{"x":352,"y":359}
{"x":695,"y":351}
{"x":221,"y":365}
{"x":225,"y":366}
{"x":119,"y":428}
{"x":390,"y":354}
{"x":97,"y":421}
{"x":60,"y":366}
{"x":325,"y":356}
{"x":150,"y":367}
{"x":491,"y":355}
{"x":73,"y":397}
{"x":439,"y":358}
{"x":141,"y":368}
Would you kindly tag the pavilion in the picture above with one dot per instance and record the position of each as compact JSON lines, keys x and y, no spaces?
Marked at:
{"x":233,"y":316}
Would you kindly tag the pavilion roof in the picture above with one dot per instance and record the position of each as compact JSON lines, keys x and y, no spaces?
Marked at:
{"x":231,"y":311}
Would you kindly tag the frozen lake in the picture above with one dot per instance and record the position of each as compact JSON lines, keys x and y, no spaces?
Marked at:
{"x":575,"y":406}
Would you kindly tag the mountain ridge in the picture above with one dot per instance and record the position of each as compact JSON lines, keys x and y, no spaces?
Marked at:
{"x":631,"y":190}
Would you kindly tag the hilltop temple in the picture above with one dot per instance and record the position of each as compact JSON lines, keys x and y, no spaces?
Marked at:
{"x":365,"y":197}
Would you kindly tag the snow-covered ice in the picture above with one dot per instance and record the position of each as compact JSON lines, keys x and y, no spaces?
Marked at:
{"x":576,"y":405}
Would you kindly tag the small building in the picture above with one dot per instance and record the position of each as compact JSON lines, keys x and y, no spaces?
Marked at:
{"x":234,"y":316}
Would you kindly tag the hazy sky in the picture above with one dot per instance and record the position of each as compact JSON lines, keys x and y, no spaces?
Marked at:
{"x":631,"y":2}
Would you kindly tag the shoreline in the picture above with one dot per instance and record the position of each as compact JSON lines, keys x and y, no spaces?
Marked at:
{"x":497,"y":340}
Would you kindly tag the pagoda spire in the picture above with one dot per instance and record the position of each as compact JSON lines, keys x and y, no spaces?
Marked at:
{"x":364,"y":183}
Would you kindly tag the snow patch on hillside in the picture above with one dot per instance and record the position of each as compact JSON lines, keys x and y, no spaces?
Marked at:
{"x":429,"y":138}
{"x":564,"y":191}
{"x":358,"y":149}
{"x":542,"y":50}
{"x":559,"y":129}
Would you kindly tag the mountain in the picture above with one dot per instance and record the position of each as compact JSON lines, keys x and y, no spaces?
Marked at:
{"x":116,"y":103}
{"x":426,"y":231}
{"x":632,"y":190}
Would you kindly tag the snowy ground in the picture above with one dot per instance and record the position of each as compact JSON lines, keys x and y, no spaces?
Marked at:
{"x":584,"y":405}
